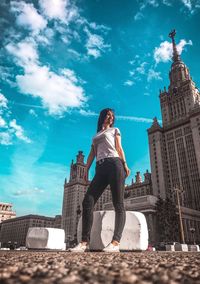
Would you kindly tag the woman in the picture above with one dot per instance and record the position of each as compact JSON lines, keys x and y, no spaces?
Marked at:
{"x":111,"y":169}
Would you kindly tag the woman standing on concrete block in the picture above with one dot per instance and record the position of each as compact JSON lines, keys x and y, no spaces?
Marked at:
{"x":111,"y":169}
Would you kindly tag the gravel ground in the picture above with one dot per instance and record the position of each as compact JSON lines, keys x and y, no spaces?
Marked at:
{"x":97,"y":267}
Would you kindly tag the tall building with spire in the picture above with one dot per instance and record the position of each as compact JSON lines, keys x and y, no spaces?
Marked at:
{"x":175,"y":146}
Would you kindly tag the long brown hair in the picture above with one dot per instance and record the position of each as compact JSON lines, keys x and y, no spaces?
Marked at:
{"x":102,"y":117}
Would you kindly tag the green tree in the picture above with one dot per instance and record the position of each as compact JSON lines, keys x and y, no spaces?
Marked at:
{"x":167,"y":220}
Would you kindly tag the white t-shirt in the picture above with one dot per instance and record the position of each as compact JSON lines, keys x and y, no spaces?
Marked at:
{"x":104,"y":143}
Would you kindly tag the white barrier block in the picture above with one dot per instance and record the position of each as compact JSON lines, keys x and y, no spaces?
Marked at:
{"x":135,"y":233}
{"x":193,"y":248}
{"x":45,"y":238}
{"x":181,"y":247}
{"x":170,"y":248}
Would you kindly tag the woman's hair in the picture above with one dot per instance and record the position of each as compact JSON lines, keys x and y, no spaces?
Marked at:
{"x":102,"y":117}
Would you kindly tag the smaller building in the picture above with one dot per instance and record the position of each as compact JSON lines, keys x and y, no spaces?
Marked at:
{"x":13,"y":231}
{"x":6,"y":211}
{"x":139,"y":187}
{"x":58,"y":221}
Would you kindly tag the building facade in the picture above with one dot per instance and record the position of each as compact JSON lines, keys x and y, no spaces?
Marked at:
{"x":13,"y":231}
{"x":6,"y":211}
{"x":139,"y":187}
{"x":175,"y":146}
{"x":74,"y":192}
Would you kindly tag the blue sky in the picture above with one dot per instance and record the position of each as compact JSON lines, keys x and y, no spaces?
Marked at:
{"x":61,"y":63}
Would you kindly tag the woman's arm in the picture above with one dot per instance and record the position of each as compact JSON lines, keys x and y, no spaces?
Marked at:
{"x":120,"y":151}
{"x":90,"y":159}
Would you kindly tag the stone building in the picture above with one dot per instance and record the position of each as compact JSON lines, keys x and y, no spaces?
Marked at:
{"x":175,"y":147}
{"x":139,"y":187}
{"x":6,"y":211}
{"x":74,"y":192}
{"x":14,"y":231}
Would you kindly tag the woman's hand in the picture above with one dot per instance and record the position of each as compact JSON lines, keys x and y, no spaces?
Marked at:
{"x":127,"y":170}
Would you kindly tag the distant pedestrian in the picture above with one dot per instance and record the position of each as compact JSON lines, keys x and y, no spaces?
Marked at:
{"x":111,"y":169}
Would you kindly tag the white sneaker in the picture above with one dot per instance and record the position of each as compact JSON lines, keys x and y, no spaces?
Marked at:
{"x":80,"y":248}
{"x":111,"y":248}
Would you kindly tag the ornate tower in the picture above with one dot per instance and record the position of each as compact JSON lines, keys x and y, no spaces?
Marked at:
{"x":74,"y":192}
{"x":175,"y":147}
{"x":78,"y":169}
{"x":182,"y":95}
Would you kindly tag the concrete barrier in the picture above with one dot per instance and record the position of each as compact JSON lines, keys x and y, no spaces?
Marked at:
{"x":181,"y":247}
{"x":193,"y":248}
{"x":134,"y":237}
{"x":170,"y":248}
{"x":45,"y":238}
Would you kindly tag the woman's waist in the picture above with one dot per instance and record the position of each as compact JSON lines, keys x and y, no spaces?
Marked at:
{"x":107,"y":159}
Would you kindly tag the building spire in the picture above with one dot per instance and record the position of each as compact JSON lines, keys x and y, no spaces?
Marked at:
{"x":176,"y":56}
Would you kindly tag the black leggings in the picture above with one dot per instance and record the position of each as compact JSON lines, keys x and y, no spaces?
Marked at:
{"x":108,"y":171}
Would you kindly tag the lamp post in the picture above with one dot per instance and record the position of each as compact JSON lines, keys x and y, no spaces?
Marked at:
{"x":192,"y":230}
{"x":178,"y":191}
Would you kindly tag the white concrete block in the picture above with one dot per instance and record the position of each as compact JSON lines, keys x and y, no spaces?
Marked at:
{"x":181,"y":247}
{"x":135,"y":233}
{"x":170,"y":248}
{"x":45,"y":238}
{"x":193,"y":248}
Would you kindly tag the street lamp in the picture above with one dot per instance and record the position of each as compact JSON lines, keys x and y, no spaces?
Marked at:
{"x":192,"y":230}
{"x":178,"y":191}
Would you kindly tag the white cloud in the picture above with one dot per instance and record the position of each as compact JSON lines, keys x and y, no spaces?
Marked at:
{"x":3,"y":101}
{"x":18,"y":131}
{"x":9,"y":128}
{"x":128,"y":83}
{"x":29,"y":192}
{"x":95,"y":26}
{"x":54,"y":9}
{"x":95,"y":44}
{"x":60,"y":10}
{"x":141,"y":69}
{"x":5,"y":138}
{"x":25,"y":52}
{"x":33,"y":113}
{"x":187,"y":4}
{"x":58,"y":92}
{"x":153,"y":3}
{"x":121,"y":117}
{"x":2,"y":122}
{"x":138,"y":16}
{"x":28,"y":16}
{"x":152,"y":74}
{"x":87,"y":113}
{"x":182,"y":44}
{"x":167,"y":2}
{"x":134,"y":118}
{"x":132,"y":73}
{"x":164,"y":52}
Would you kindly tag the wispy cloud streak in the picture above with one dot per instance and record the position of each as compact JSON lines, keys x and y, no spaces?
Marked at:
{"x":122,"y":117}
